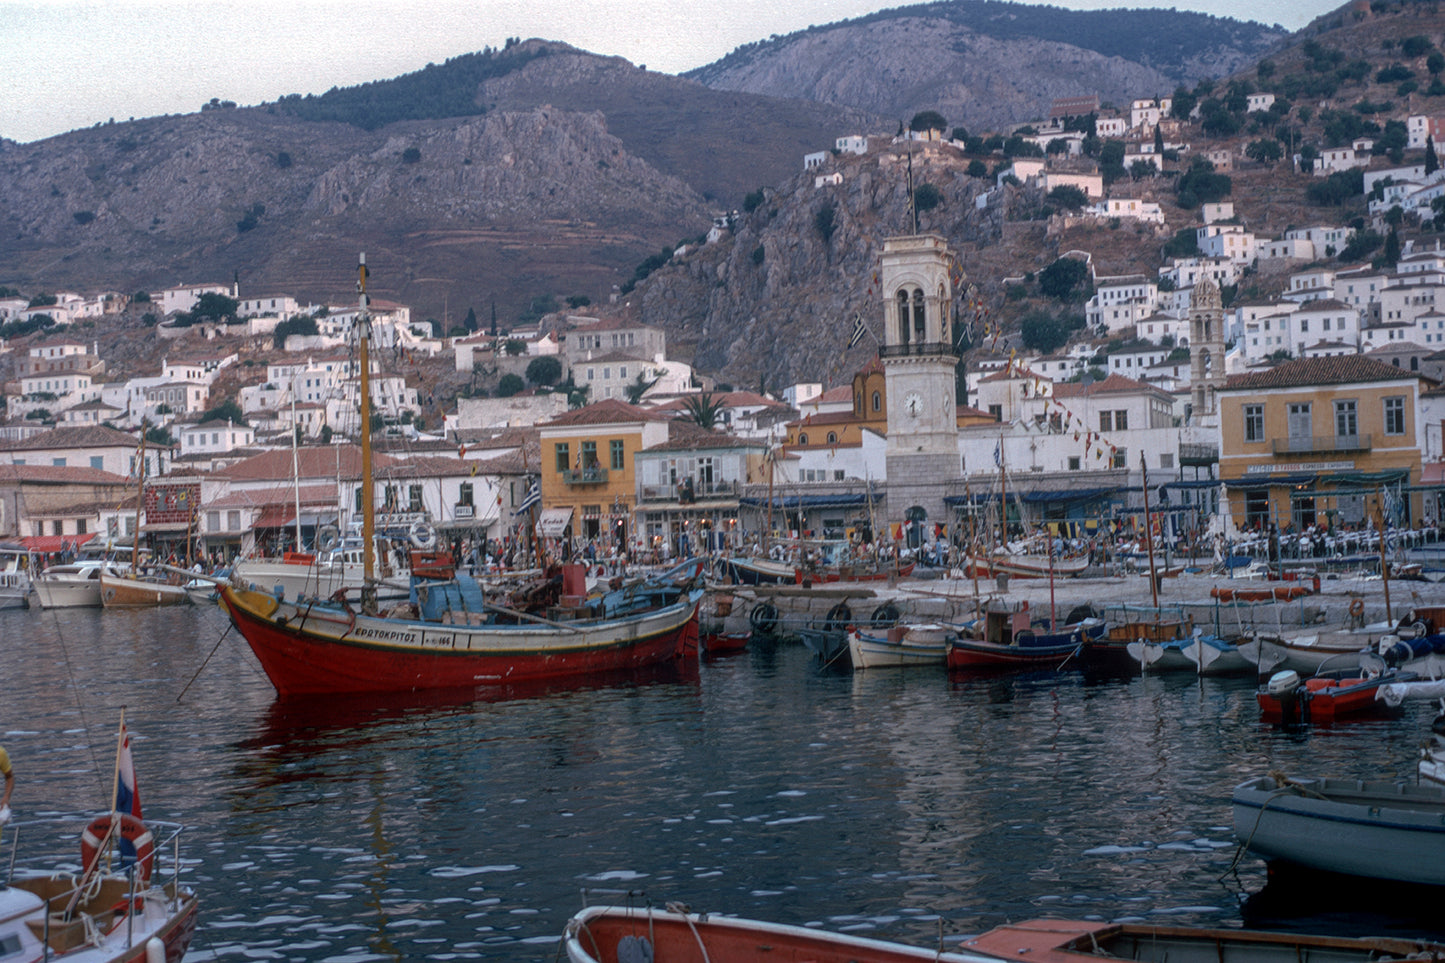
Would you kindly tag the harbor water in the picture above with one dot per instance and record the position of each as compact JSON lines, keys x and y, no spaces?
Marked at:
{"x":905,"y":804}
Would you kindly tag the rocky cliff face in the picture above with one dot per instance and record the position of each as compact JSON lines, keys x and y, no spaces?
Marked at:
{"x":504,"y":205}
{"x":924,"y":58}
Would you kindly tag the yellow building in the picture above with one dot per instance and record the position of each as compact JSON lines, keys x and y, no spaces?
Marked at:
{"x":1320,"y":441}
{"x":589,"y":486}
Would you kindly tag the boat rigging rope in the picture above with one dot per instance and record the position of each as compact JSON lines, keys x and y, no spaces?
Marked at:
{"x":181,"y":695}
{"x":1286,"y":787}
{"x":692,"y":925}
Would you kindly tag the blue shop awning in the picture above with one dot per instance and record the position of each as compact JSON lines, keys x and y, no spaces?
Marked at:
{"x":808,"y":501}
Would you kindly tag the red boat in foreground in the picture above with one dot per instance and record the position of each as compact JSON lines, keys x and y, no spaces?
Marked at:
{"x":620,"y":934}
{"x":616,"y":934}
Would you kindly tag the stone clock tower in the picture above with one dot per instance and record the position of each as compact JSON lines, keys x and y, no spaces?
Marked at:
{"x":918,"y":361}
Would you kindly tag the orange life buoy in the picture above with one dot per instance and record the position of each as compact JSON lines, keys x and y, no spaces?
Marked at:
{"x":1357,"y":608}
{"x":131,"y":829}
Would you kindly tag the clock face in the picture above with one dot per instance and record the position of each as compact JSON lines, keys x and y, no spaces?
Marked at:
{"x":913,"y":403}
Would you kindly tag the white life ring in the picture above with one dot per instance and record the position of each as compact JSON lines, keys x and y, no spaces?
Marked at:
{"x":421,"y":535}
{"x":327,"y":539}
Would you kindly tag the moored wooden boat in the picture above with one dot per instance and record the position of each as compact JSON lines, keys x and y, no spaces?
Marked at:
{"x":1212,"y":655}
{"x":621,"y":934}
{"x":1022,"y":565}
{"x":1062,"y":941}
{"x":1380,"y":830}
{"x":321,"y":647}
{"x":118,"y":591}
{"x":1011,"y":641}
{"x":899,"y":645}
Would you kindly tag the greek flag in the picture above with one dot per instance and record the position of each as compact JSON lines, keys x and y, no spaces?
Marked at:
{"x":859,"y":329}
{"x":533,"y":496}
{"x":998,"y":453}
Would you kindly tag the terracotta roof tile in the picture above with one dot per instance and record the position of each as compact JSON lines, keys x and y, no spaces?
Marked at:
{"x":1305,"y":372}
{"x":61,"y":474}
{"x":82,"y":436}
{"x":607,"y":412}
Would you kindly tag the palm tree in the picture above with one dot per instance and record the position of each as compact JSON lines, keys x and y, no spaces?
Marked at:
{"x":638,"y":388}
{"x":702,"y":410}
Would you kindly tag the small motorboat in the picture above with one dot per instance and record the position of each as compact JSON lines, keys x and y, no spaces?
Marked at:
{"x":1060,"y":941}
{"x":1379,"y":830}
{"x":1286,"y":698}
{"x":625,"y":934}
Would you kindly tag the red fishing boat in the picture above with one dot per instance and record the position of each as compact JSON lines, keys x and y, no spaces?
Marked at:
{"x":448,"y":635}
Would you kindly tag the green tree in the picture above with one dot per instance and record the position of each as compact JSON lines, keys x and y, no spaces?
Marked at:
{"x":1432,"y":163}
{"x":544,"y":369}
{"x":411,"y":155}
{"x":509,"y":385}
{"x":928,"y":120}
{"x":1267,"y":151}
{"x":1062,"y":279}
{"x":638,"y":388}
{"x":326,"y":434}
{"x":227,"y":410}
{"x":303,"y":324}
{"x":214,"y":307}
{"x":1044,"y":332}
{"x":470,"y":322}
{"x":1067,"y":195}
{"x":926,"y":197}
{"x":702,"y":410}
{"x":976,"y":168}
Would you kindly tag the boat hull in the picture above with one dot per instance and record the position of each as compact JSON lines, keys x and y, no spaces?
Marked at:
{"x":1022,"y":566}
{"x":901,"y":647}
{"x":66,"y":593}
{"x":599,"y":934}
{"x":1390,"y":831}
{"x":978,"y":654}
{"x":313,"y":650}
{"x":119,"y":593}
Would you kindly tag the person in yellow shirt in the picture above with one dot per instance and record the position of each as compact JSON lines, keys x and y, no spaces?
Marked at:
{"x":9,"y":775}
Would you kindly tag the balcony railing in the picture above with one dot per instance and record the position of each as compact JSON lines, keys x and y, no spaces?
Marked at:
{"x":1195,"y":455}
{"x":1296,"y":446}
{"x":678,"y":493}
{"x":585,"y":476}
{"x":917,"y":348}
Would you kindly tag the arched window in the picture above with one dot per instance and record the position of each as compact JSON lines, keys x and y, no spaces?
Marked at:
{"x":877,"y":401}
{"x":920,"y":328}
{"x":803,"y":438}
{"x":903,"y":312}
{"x":832,"y":438}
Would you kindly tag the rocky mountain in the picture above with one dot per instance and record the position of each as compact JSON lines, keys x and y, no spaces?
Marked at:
{"x":986,"y":64}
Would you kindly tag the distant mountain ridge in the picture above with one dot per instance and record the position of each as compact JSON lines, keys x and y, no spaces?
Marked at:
{"x":535,"y":171}
{"x":986,"y":63}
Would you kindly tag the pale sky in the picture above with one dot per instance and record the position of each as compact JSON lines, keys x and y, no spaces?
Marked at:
{"x":71,"y":64}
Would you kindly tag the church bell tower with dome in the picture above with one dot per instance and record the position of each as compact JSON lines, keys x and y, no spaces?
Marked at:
{"x":919,"y":360}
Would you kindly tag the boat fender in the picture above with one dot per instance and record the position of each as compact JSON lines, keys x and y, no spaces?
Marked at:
{"x":327,"y":539}
{"x":155,"y":950}
{"x":132,"y":830}
{"x":634,"y":949}
{"x":839,"y":616}
{"x":885,"y":614}
{"x":763,"y":618}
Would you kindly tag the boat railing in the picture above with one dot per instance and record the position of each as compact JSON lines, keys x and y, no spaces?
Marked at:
{"x":51,"y":832}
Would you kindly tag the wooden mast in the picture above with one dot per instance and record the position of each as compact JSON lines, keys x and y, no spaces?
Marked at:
{"x":368,"y":497}
{"x":1149,"y":533}
{"x":140,"y":495}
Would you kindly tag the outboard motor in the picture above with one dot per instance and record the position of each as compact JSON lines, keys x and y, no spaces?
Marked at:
{"x":1293,"y":697}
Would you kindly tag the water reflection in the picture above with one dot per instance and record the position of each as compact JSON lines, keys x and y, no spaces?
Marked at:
{"x":467,"y":825}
